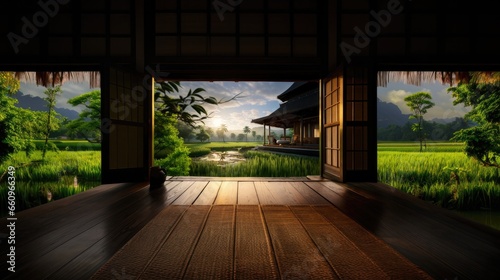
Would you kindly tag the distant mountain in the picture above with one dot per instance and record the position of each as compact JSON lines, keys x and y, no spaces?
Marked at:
{"x":36,"y":103}
{"x":388,"y":114}
{"x":443,"y":121}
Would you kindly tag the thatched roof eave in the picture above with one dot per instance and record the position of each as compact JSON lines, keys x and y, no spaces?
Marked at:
{"x":52,"y":78}
{"x":445,"y":77}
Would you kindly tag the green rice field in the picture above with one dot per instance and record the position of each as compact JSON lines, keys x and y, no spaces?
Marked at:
{"x":442,"y":174}
{"x":61,"y":174}
{"x":259,"y":164}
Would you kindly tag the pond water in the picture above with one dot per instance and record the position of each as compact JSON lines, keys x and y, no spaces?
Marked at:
{"x":223,"y":158}
{"x":490,"y":218}
{"x":33,"y":193}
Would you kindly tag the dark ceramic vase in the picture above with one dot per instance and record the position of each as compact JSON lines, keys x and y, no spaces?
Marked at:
{"x":157,"y":176}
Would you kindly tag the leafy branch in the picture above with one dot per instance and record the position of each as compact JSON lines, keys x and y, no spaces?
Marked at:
{"x":188,"y":109}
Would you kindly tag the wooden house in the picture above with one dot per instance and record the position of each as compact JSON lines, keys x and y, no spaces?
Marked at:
{"x":299,"y":111}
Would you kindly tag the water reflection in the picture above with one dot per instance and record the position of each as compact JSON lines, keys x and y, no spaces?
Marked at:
{"x":30,"y":194}
{"x":223,"y":158}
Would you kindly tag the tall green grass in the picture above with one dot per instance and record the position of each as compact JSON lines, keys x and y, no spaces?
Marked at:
{"x":86,"y":165}
{"x":259,"y":164}
{"x":38,"y":182}
{"x":432,"y":176}
{"x":70,"y":145}
{"x":31,"y":194}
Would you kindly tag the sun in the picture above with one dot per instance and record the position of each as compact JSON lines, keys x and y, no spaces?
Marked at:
{"x":216,"y":122}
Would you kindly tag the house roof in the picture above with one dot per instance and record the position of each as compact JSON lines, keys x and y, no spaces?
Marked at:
{"x":305,"y":104}
{"x":295,"y":89}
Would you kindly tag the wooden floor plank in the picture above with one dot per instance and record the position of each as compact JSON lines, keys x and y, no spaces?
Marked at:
{"x":46,"y":240}
{"x":247,"y":194}
{"x":391,"y":262}
{"x":284,"y":194}
{"x":136,"y":254}
{"x":191,"y":194}
{"x":179,"y":189}
{"x":449,"y":241}
{"x":74,"y":237}
{"x":377,"y":220}
{"x":207,"y":197}
{"x":266,"y":197}
{"x":228,"y":193}
{"x":309,"y":194}
{"x":348,"y":261}
{"x":253,"y":253}
{"x":49,"y":256}
{"x":171,"y":260}
{"x":213,"y":255}
{"x":296,"y":254}
{"x":46,"y":213}
{"x":239,"y":179}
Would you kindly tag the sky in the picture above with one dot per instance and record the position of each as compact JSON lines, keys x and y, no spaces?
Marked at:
{"x":258,"y":99}
{"x":396,"y":92}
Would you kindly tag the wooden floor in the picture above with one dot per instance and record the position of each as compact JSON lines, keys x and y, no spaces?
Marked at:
{"x":259,"y":228}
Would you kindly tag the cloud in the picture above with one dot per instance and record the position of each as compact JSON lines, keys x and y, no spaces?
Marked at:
{"x":444,"y":108}
{"x":69,"y":90}
{"x":250,"y":93}
{"x":397,"y":97}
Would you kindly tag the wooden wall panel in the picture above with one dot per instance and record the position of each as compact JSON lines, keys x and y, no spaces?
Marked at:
{"x":126,"y":156}
{"x":332,"y":100}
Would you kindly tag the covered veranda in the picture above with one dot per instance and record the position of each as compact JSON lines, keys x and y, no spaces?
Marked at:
{"x":250,"y":228}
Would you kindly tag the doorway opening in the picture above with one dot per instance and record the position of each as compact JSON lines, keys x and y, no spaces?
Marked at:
{"x":421,"y":125}
{"x":231,"y":138}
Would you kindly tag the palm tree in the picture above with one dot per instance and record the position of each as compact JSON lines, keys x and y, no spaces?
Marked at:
{"x":254,"y":134}
{"x":221,"y":131}
{"x":246,"y":130}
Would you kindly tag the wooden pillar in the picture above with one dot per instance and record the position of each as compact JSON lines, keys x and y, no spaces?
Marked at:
{"x":269,"y":127}
{"x":264,"y":140}
{"x":301,"y":133}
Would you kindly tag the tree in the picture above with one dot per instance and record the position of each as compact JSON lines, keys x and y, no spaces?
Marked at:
{"x":254,"y":134}
{"x":240,"y":137}
{"x":246,"y":130}
{"x":88,"y":124}
{"x":419,"y":103}
{"x":202,"y":136}
{"x":8,"y":85}
{"x":169,"y":148}
{"x":186,"y":132}
{"x":233,"y":136}
{"x":17,"y":126}
{"x":221,"y":132}
{"x":168,"y":110}
{"x":52,"y":122}
{"x":188,"y":109}
{"x":210,"y":131}
{"x":482,"y":142}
